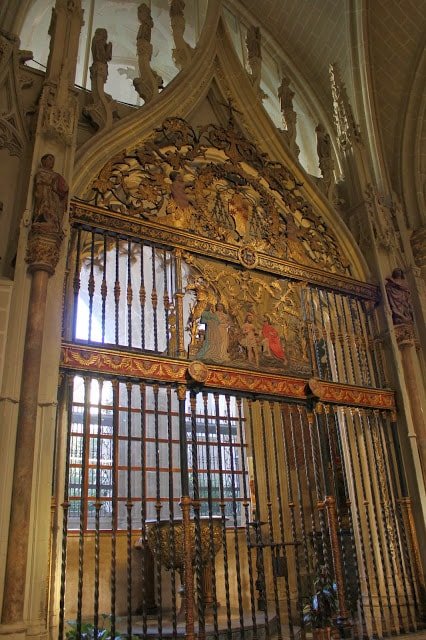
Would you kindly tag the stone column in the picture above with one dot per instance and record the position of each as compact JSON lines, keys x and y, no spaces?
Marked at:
{"x":44,"y":243}
{"x":407,"y":346}
{"x":400,"y":303}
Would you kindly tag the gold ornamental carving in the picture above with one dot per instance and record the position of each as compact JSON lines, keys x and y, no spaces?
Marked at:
{"x":167,"y":540}
{"x":111,"y":221}
{"x":198,"y":371}
{"x":215,"y":183}
{"x":105,"y":361}
{"x":248,"y":257}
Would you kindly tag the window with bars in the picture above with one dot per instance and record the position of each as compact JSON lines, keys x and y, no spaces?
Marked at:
{"x":124,"y":455}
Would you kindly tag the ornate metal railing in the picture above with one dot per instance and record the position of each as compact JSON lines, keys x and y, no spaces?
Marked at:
{"x":279,"y":493}
{"x":129,"y":291}
{"x":229,"y":439}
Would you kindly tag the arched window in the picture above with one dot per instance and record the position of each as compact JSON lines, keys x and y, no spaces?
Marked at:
{"x":120,"y":20}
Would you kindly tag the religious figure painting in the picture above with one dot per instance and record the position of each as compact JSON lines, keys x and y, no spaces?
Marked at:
{"x":239,"y":318}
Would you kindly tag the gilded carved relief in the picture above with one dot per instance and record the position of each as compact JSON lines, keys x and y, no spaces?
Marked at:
{"x":241,"y":318}
{"x":216,"y":184}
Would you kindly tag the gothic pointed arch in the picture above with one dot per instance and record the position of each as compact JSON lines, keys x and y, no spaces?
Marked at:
{"x":216,"y":68}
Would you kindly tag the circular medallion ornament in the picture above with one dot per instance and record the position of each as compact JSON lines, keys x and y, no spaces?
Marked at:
{"x":198,"y":371}
{"x":248,"y":257}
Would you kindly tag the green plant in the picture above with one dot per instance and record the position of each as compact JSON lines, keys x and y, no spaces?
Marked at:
{"x":88,"y":631}
{"x":322,"y":605}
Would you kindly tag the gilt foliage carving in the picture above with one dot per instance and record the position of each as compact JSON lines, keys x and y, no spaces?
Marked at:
{"x":215,"y":183}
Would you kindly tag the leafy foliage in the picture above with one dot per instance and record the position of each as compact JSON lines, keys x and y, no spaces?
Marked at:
{"x":88,"y":631}
{"x":322,"y":605}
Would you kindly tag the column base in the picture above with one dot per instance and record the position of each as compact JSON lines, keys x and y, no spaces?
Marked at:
{"x":16,"y":631}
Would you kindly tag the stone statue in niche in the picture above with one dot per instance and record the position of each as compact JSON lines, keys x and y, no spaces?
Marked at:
{"x":50,"y":196}
{"x":182,"y":52}
{"x":399,"y":297}
{"x":149,"y":82}
{"x":104,"y":109}
{"x":289,"y":115}
{"x":325,"y":161}
{"x":254,"y":54}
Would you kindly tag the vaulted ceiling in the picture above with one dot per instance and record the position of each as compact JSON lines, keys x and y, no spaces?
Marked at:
{"x":315,"y":33}
{"x":386,"y":36}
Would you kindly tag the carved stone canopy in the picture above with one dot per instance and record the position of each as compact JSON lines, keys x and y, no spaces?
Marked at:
{"x":215,"y":183}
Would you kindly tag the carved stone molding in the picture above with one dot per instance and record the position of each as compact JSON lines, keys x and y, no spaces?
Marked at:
{"x":347,"y":130}
{"x":325,"y":162}
{"x":289,"y":115}
{"x":383,"y":221}
{"x":418,"y":245}
{"x":13,"y":125}
{"x":59,"y":120}
{"x":10,"y":137}
{"x":254,"y":55}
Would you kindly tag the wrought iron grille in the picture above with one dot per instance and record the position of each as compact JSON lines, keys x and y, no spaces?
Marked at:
{"x":129,"y":293}
{"x":279,"y":493}
{"x":124,"y":446}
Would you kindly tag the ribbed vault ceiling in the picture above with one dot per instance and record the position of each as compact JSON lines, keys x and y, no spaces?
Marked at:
{"x":316,"y":32}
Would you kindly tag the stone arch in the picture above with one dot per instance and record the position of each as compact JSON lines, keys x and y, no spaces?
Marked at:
{"x":217,"y":63}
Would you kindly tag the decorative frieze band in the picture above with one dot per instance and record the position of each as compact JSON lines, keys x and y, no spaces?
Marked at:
{"x":94,"y":217}
{"x":160,"y":369}
{"x":349,"y":395}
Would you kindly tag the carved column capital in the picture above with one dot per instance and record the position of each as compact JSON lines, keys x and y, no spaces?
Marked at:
{"x":405,"y":335}
{"x":43,"y":249}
